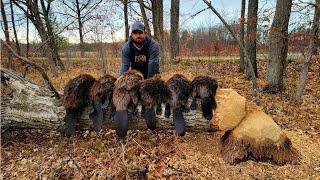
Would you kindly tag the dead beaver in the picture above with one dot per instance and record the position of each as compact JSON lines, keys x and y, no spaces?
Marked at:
{"x":76,"y":97}
{"x":153,"y":92}
{"x":125,"y":94}
{"x":204,"y":87}
{"x":101,"y":97}
{"x":180,"y":89}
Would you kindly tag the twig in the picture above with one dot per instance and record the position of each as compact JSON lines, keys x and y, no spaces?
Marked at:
{"x":37,"y":67}
{"x":141,"y":147}
{"x":78,"y":167}
{"x":194,"y":15}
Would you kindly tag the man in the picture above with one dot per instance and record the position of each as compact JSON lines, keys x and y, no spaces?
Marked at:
{"x":141,"y":52}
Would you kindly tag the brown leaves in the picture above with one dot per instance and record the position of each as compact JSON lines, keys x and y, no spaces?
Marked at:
{"x":41,"y":154}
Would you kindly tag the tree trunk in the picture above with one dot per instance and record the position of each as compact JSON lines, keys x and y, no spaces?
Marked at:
{"x":68,"y":54}
{"x":160,"y":20}
{"x":32,"y":106}
{"x":174,"y":31}
{"x":242,"y":20}
{"x":45,"y":32}
{"x":14,"y":29}
{"x":50,"y":35}
{"x":255,"y":89}
{"x":155,"y":20}
{"x":78,"y":11}
{"x":126,"y":23}
{"x":47,"y":48}
{"x":28,"y":43}
{"x":311,"y":51}
{"x":278,"y":47}
{"x":252,"y":37}
{"x":6,"y":33}
{"x":103,"y":58}
{"x":144,"y":16}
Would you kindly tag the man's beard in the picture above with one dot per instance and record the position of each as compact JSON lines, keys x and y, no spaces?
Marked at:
{"x":139,"y":43}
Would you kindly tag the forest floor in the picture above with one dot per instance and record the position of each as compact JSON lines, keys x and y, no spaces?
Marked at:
{"x":37,"y":154}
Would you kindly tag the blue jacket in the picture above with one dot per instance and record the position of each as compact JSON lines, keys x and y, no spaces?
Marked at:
{"x":152,"y":52}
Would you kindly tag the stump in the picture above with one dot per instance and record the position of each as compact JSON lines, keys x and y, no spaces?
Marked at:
{"x":230,"y":111}
{"x":258,"y":137}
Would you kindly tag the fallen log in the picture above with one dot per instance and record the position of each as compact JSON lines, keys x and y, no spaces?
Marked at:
{"x":30,"y":105}
{"x":250,"y":133}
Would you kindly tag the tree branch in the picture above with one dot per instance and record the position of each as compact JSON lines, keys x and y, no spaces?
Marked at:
{"x":37,"y":67}
{"x":253,"y":77}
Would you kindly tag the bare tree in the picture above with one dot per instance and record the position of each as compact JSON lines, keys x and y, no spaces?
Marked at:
{"x":40,"y":69}
{"x":157,"y":19}
{"x":46,"y":9}
{"x":311,"y":51}
{"x":144,"y":15}
{"x":6,"y":33}
{"x":14,"y":28}
{"x":174,"y":31}
{"x":242,"y":20}
{"x":126,"y":23}
{"x":39,"y":15}
{"x":278,"y":47}
{"x":28,"y":44}
{"x":253,"y":77}
{"x":251,"y":40}
{"x":160,"y":18}
{"x":81,"y":10}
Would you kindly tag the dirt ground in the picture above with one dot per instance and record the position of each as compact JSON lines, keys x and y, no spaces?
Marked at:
{"x":34,"y":154}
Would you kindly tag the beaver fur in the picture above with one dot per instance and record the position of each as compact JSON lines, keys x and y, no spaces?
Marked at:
{"x":153,"y":92}
{"x":101,"y":97}
{"x":76,"y":97}
{"x":125,"y":94}
{"x":180,"y":89}
{"x":204,"y":87}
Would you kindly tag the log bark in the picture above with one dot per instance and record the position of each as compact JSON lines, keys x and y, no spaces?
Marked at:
{"x":30,"y":105}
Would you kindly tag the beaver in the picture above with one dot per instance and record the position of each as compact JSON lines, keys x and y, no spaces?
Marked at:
{"x":125,"y":95}
{"x":204,"y":87}
{"x":101,"y":97}
{"x":180,"y":89}
{"x":76,"y":97}
{"x":153,"y":92}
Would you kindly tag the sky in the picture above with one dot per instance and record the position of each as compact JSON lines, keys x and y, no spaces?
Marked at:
{"x":229,"y":9}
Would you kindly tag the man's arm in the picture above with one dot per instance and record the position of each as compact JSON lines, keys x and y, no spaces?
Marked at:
{"x":153,"y":66}
{"x":125,"y":59}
